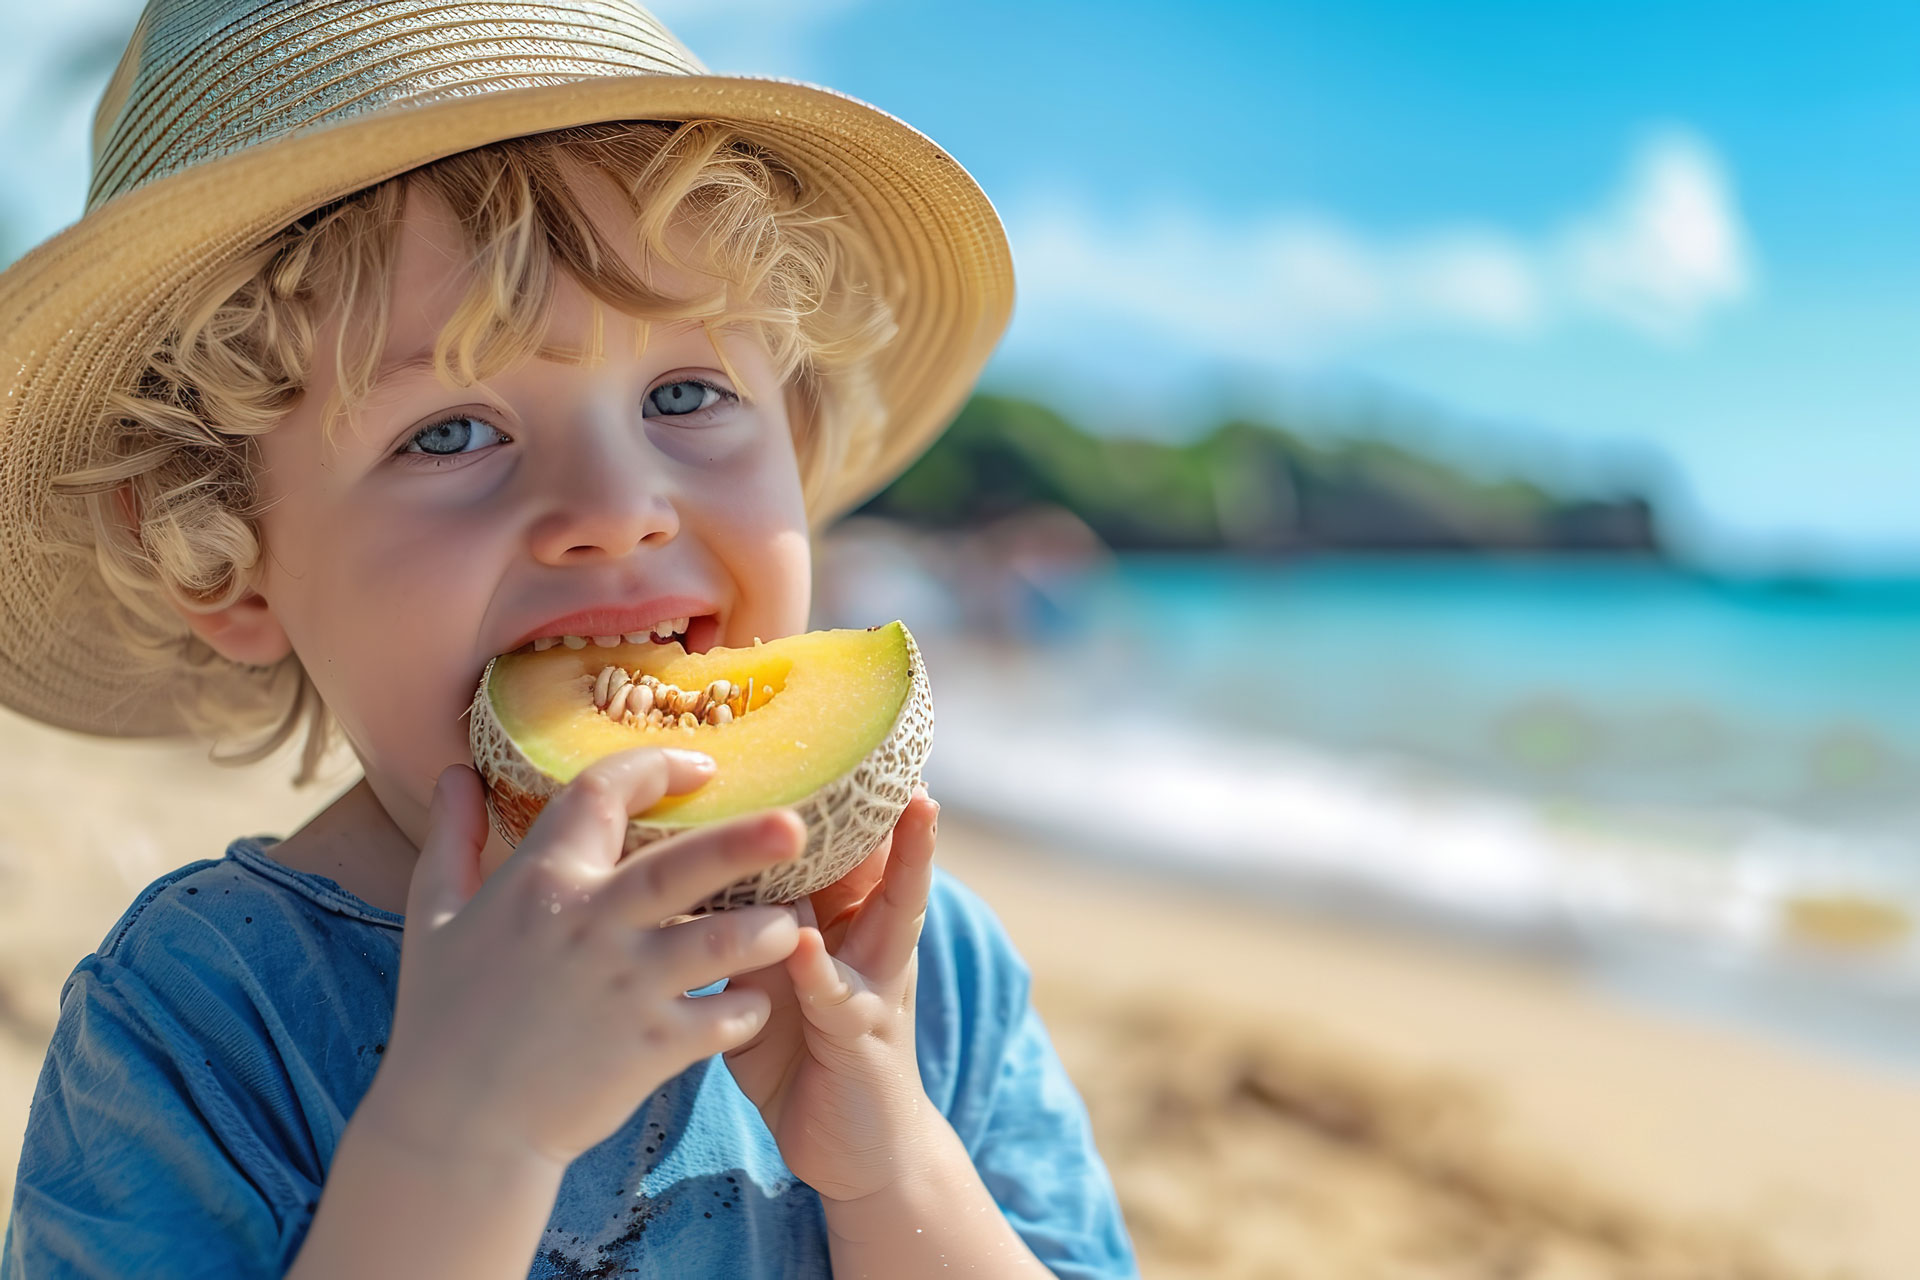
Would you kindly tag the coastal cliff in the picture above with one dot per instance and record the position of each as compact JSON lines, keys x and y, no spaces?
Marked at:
{"x":1248,"y":487}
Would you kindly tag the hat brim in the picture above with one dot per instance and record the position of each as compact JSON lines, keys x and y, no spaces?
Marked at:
{"x":78,"y":312}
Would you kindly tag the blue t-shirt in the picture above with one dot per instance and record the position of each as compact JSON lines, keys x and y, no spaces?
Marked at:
{"x":208,"y":1056}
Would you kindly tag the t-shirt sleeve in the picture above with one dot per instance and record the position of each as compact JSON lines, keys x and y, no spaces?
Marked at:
{"x":988,"y":1062}
{"x":136,"y":1161}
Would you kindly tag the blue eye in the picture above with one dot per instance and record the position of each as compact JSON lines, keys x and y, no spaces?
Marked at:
{"x":687,"y":396}
{"x":451,"y":438}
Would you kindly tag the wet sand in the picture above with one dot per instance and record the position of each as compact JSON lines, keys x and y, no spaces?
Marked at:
{"x":1278,"y":1096}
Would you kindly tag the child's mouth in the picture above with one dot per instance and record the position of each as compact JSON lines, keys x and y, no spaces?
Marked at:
{"x":695,"y":634}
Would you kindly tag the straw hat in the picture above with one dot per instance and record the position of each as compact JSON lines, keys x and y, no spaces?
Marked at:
{"x":228,"y":119}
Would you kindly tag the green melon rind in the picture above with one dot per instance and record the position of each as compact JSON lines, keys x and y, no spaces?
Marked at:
{"x":845,"y":819}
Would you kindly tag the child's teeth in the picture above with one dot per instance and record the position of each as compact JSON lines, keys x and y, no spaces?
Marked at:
{"x":667,"y":630}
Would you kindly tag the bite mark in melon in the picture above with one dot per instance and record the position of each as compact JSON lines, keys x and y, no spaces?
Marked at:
{"x":839,"y":726}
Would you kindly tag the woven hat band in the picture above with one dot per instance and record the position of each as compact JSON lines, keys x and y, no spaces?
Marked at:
{"x":203,"y":78}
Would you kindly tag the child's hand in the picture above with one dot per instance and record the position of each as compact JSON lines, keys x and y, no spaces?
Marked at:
{"x":833,"y":1071}
{"x":537,"y":1011}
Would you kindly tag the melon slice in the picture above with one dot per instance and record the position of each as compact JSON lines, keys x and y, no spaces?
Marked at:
{"x":837,"y":726}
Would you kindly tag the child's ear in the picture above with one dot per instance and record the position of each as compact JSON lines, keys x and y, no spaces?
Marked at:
{"x":245,"y":631}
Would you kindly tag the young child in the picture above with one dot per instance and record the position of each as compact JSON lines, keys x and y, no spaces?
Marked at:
{"x":399,"y":335}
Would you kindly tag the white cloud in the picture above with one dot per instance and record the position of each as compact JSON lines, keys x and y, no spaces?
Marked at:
{"x":1669,"y":250}
{"x":1660,"y":256}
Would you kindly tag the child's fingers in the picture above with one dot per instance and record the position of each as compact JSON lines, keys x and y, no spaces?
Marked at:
{"x":882,"y":939}
{"x":724,"y":1020}
{"x":696,"y":952}
{"x":586,"y":821}
{"x":447,"y":873}
{"x":775,"y":983}
{"x":666,"y":878}
{"x":822,"y":983}
{"x":839,"y":902}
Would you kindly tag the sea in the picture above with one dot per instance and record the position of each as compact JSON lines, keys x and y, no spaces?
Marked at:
{"x":1703,"y":793}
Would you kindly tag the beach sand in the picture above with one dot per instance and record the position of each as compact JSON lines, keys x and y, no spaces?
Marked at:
{"x":1290,"y":1097}
{"x":1277,"y":1095}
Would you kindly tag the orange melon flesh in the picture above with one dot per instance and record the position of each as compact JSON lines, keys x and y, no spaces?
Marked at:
{"x":836,"y":696}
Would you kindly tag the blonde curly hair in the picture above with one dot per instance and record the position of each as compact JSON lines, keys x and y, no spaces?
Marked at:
{"x":171,"y":502}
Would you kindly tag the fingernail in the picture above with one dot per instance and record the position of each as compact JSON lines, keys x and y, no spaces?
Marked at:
{"x":803,"y":911}
{"x":698,"y":759}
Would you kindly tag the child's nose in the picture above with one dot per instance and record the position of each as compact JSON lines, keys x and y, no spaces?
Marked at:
{"x":604,"y":499}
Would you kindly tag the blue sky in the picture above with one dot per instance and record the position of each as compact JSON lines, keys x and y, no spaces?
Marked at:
{"x":1678,"y":240}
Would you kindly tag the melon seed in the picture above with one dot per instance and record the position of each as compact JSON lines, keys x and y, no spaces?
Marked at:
{"x":619,"y":703}
{"x":649,"y":700}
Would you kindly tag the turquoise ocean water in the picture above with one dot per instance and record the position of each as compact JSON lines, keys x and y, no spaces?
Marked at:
{"x":1606,"y":681}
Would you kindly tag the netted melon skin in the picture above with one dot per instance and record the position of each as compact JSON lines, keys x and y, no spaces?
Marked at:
{"x":845,"y":820}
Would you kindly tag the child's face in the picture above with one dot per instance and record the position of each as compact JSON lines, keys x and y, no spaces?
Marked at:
{"x":395,"y":573}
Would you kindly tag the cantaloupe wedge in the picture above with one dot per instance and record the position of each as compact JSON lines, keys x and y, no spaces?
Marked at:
{"x":837,"y":726}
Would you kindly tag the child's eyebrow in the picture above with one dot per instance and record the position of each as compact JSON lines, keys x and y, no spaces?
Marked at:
{"x":422,"y":360}
{"x":418,"y":361}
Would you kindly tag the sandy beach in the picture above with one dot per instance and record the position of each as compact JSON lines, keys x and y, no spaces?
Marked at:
{"x":1282,"y":1096}
{"x":1278,"y":1095}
